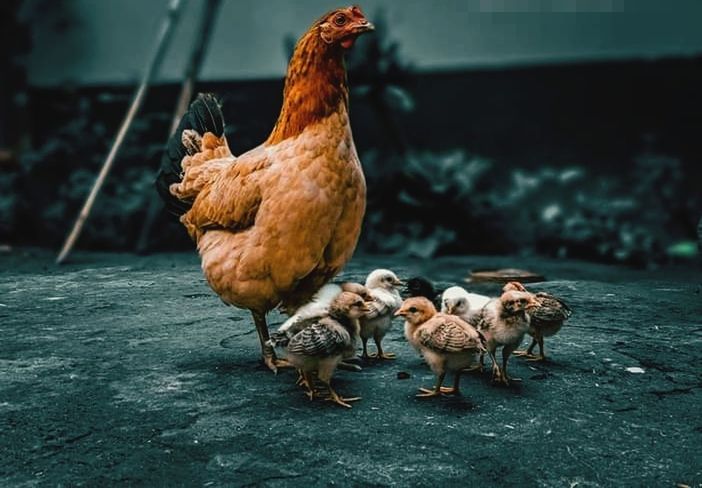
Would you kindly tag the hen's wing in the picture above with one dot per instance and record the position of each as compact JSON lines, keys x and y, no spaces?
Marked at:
{"x":446,"y":335}
{"x":231,"y":200}
{"x":319,"y":339}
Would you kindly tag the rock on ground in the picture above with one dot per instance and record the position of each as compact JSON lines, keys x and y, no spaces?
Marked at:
{"x":123,"y":369}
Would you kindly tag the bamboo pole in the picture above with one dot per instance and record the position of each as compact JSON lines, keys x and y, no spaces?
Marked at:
{"x":192,"y":71}
{"x":162,"y":41}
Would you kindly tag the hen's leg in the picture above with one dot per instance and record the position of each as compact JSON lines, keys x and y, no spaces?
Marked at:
{"x":267,"y":352}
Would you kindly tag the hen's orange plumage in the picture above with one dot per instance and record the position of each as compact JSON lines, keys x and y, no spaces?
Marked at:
{"x":276,"y":223}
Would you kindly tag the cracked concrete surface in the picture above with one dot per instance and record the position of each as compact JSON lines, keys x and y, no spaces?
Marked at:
{"x":123,"y":369}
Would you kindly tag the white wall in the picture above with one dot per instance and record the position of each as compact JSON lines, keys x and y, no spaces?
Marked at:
{"x":107,"y":41}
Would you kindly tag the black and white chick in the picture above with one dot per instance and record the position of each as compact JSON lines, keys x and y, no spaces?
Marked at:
{"x":547,"y":318}
{"x":318,"y":348}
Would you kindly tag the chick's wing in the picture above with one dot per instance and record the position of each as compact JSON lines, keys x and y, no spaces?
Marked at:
{"x":446,"y":335}
{"x":319,"y":339}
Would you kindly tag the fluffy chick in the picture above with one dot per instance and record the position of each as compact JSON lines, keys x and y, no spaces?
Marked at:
{"x":547,"y":318}
{"x":448,"y":343}
{"x":419,"y":286}
{"x":382,"y":285}
{"x":457,"y":301}
{"x":317,"y":308}
{"x":320,"y":347}
{"x":504,"y":321}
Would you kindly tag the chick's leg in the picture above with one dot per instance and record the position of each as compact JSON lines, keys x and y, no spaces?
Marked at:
{"x":542,"y":353}
{"x":506,"y":351}
{"x":528,"y":351}
{"x":324,"y":374}
{"x":364,"y":355}
{"x":267,"y":352}
{"x":426,"y":393}
{"x":380,"y":354}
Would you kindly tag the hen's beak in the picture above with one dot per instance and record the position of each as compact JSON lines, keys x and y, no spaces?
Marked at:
{"x":363,"y":26}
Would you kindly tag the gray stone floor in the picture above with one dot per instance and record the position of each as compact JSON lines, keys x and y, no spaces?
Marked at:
{"x":117,"y":369}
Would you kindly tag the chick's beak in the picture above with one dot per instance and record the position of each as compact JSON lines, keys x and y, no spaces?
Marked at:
{"x":398,"y":282}
{"x":450,"y":309}
{"x":399,"y":313}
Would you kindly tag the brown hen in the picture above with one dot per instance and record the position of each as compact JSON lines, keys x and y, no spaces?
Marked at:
{"x":277,"y":222}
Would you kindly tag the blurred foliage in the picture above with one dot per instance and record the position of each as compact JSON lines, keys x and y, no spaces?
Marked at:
{"x":453,"y":202}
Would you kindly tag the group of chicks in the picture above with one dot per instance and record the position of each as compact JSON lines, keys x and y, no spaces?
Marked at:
{"x":323,"y":334}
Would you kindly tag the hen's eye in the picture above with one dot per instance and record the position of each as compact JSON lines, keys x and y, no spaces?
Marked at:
{"x":412,"y":309}
{"x":340,"y":20}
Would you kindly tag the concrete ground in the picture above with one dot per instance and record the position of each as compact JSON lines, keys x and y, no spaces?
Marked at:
{"x":118,"y":369}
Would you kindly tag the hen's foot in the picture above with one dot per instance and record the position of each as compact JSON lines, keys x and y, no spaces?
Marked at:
{"x":274,"y":363}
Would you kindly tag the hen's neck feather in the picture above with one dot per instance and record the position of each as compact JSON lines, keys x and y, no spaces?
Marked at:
{"x":315,"y":86}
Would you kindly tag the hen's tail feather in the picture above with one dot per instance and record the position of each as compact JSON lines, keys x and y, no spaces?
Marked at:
{"x":204,"y":115}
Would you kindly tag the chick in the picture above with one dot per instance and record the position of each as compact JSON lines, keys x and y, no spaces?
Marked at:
{"x":317,"y":307}
{"x":457,"y":301}
{"x":504,"y":321}
{"x":447,"y":343}
{"x":546,"y":320}
{"x":422,"y":287}
{"x":320,"y":347}
{"x":382,"y":285}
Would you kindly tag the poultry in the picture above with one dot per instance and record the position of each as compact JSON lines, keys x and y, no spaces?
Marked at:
{"x":504,"y":321}
{"x":457,"y":301}
{"x":276,"y":223}
{"x":419,"y":286}
{"x":382,"y":285}
{"x":320,"y":347}
{"x":317,"y":307}
{"x":547,"y":318}
{"x":448,"y":343}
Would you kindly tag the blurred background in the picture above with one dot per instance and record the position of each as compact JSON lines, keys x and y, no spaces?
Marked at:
{"x":566,"y":128}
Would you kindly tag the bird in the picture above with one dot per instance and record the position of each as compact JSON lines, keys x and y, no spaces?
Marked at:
{"x":503,"y":321}
{"x":276,"y":223}
{"x":448,"y":343}
{"x":547,"y":318}
{"x":418,"y":286}
{"x":314,"y":309}
{"x":457,"y":301}
{"x":382,"y":285}
{"x":318,"y":348}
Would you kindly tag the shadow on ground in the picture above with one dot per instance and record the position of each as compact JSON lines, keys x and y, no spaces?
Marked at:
{"x":121,"y":369}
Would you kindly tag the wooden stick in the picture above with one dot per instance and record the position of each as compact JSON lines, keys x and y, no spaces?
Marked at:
{"x":197,"y":56}
{"x":162,"y":41}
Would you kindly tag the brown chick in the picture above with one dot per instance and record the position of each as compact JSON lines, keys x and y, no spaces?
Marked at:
{"x":276,"y":223}
{"x":320,"y":347}
{"x":547,"y":318}
{"x":447,"y":343}
{"x":503,"y":322}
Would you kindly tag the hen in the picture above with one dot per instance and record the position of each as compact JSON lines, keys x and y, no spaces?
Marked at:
{"x":277,"y":222}
{"x":546,"y":320}
{"x":446,"y":342}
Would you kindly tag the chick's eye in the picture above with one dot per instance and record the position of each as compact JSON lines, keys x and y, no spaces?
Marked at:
{"x":412,"y":310}
{"x":340,"y":20}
